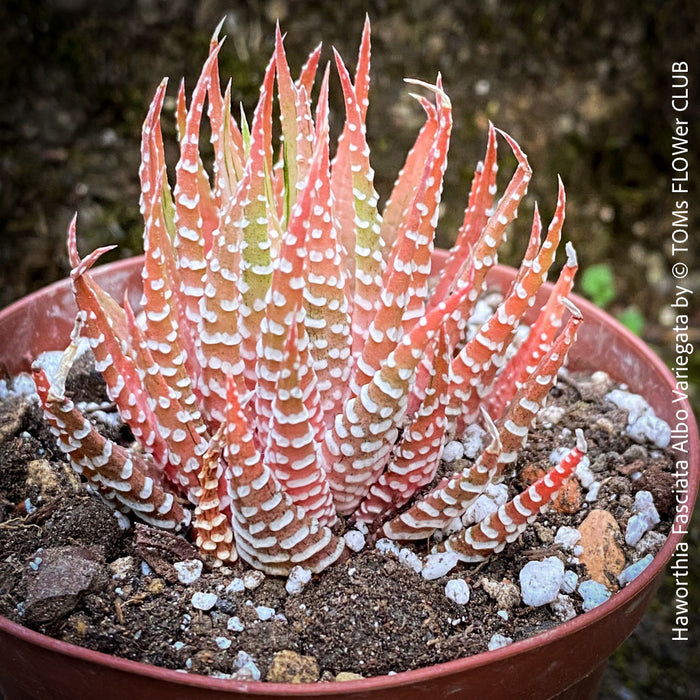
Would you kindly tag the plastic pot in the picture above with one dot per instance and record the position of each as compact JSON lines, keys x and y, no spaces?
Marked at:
{"x":567,"y":660}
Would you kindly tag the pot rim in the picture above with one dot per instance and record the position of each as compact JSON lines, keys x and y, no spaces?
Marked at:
{"x":580,"y":622}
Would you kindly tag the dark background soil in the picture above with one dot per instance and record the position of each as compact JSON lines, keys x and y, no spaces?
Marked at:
{"x":586,"y":92}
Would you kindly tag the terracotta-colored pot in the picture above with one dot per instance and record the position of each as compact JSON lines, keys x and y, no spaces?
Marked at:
{"x":567,"y":660}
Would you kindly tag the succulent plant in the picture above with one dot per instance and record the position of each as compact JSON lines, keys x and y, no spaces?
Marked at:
{"x":294,"y":361}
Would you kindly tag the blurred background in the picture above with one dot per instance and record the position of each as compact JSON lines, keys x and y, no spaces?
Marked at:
{"x":585,"y":92}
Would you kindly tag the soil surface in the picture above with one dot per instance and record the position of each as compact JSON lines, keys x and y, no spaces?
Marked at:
{"x":73,"y":569}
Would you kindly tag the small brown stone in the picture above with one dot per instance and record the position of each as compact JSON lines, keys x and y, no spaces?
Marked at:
{"x":289,"y":667}
{"x":530,"y":474}
{"x":348,"y":676}
{"x":569,"y":498}
{"x":602,"y":556}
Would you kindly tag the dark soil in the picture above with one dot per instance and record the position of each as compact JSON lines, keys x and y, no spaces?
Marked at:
{"x":70,"y":569}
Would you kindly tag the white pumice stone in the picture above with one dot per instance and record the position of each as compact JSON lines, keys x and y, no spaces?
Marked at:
{"x":503,"y":614}
{"x":453,"y":450}
{"x":236,"y":586}
{"x":644,"y":518}
{"x":438,"y":564}
{"x":472,"y":441}
{"x":457,"y":590}
{"x":410,"y":559}
{"x":642,"y":423}
{"x":297,"y":580}
{"x":498,"y":641}
{"x":188,"y":571}
{"x":567,"y":537}
{"x":354,"y":540}
{"x":584,"y":473}
{"x":592,"y":494}
{"x":362,"y":527}
{"x":203,"y":601}
{"x":563,"y":607}
{"x":244,"y":667}
{"x":223,"y":642}
{"x":235,"y":625}
{"x":265,"y":613}
{"x":570,"y":581}
{"x":540,"y":581}
{"x":633,"y":570}
{"x":386,"y":546}
{"x":593,"y":594}
{"x":122,"y":520}
{"x":551,"y":415}
{"x":253,"y":578}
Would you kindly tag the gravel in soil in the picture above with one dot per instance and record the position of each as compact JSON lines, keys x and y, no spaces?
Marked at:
{"x":72,"y":568}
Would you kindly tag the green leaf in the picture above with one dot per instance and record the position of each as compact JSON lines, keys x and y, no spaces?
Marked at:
{"x":632,"y":319}
{"x":598,"y":284}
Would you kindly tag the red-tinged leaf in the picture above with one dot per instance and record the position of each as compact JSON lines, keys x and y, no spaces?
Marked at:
{"x":326,"y":290}
{"x":293,"y":451}
{"x":409,"y":176}
{"x":491,"y":535}
{"x":362,"y":70}
{"x":369,"y":261}
{"x":123,"y":478}
{"x":417,"y":454}
{"x":537,"y":343}
{"x":272,"y":534}
{"x":256,"y":258}
{"x":308,"y":71}
{"x":450,"y":499}
{"x":476,"y":215}
{"x":106,"y":329}
{"x":212,"y":525}
{"x":180,"y":424}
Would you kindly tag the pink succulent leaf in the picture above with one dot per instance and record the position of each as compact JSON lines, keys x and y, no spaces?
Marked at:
{"x":362,"y":69}
{"x":218,"y":350}
{"x":124,"y":479}
{"x":417,"y":454}
{"x":285,"y":305}
{"x":484,"y":253}
{"x":180,"y":421}
{"x":409,"y":176}
{"x":191,"y":238}
{"x":225,"y":138}
{"x":368,"y":248}
{"x":530,"y":398}
{"x":358,"y":446}
{"x":106,"y":329}
{"x":256,"y":258}
{"x":291,"y":116}
{"x":476,"y":215}
{"x":293,"y":451}
{"x":152,"y":153}
{"x":450,"y":499}
{"x":307,"y":76}
{"x":161,"y":301}
{"x":160,"y":273}
{"x":211,"y":524}
{"x":326,"y":290}
{"x":475,"y":366}
{"x":491,"y":535}
{"x":271,"y":532}
{"x":538,"y":342}
{"x":427,"y":201}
